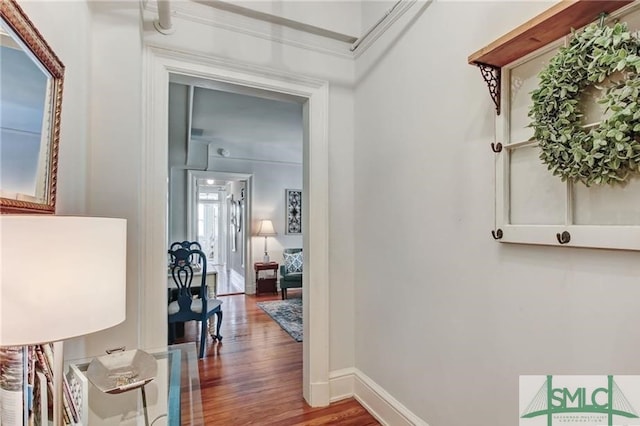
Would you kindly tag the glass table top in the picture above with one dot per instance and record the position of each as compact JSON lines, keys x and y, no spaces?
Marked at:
{"x":172,"y":398}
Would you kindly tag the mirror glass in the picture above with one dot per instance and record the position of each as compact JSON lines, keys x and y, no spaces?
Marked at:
{"x":30,"y":95}
{"x":23,"y":102}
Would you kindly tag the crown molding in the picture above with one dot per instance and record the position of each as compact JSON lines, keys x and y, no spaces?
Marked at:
{"x":369,"y":39}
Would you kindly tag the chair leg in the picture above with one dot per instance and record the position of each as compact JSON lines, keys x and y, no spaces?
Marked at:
{"x":172,"y":332}
{"x":212,"y":329}
{"x":218,"y":325}
{"x":284,"y":293}
{"x":203,"y":337}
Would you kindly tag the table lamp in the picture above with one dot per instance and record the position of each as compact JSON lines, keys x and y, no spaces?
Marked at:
{"x":60,"y":277}
{"x":265,"y":229}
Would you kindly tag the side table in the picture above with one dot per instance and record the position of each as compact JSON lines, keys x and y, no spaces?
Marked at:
{"x":172,"y":397}
{"x":266,"y":281}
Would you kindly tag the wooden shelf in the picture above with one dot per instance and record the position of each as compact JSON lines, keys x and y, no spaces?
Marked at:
{"x":545,"y":28}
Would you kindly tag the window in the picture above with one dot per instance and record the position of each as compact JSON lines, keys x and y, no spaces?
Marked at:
{"x":535,"y":207}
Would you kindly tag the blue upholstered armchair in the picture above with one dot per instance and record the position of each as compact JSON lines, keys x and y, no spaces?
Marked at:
{"x":291,"y":270}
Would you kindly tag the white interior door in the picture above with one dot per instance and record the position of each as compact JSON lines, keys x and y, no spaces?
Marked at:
{"x":209,"y":225}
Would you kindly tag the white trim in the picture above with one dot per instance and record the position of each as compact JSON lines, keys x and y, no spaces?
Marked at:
{"x":501,"y":178}
{"x":365,"y":42}
{"x":315,"y":219}
{"x":192,"y":188}
{"x":351,"y":382}
{"x":606,"y":237}
{"x":158,"y":63}
{"x":238,"y":73}
{"x":341,"y":384}
{"x":153,"y":223}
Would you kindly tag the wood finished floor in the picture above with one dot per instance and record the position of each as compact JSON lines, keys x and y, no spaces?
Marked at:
{"x":255,"y":376}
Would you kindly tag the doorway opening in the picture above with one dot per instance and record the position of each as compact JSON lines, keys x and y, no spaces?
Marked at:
{"x":218,"y":214}
{"x":159,"y":64}
{"x":245,"y":132}
{"x":210,"y":218}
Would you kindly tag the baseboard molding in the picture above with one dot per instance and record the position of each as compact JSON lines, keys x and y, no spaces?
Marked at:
{"x":319,"y":393}
{"x":341,"y":384}
{"x":351,"y":382}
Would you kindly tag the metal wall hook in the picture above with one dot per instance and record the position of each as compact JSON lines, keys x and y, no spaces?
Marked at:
{"x":602,"y":16}
{"x":563,"y":238}
{"x":497,"y":147}
{"x":497,"y":234}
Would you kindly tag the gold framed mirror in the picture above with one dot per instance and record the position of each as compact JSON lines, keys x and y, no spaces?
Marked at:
{"x":31,"y":80}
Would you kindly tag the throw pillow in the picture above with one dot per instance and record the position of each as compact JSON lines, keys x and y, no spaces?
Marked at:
{"x":293,"y":262}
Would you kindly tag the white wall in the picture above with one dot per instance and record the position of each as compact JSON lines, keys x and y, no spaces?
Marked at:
{"x":100,"y":142}
{"x":114,"y":145}
{"x":72,"y":47}
{"x":446,"y":318}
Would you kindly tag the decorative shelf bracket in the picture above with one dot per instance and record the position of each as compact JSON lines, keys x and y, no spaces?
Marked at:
{"x":553,"y":23}
{"x":491,"y":75}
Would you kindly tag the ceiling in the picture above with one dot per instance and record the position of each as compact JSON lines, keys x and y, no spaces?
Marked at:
{"x":246,"y":123}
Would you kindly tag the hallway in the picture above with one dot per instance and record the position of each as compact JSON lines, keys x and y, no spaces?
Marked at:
{"x":255,"y":375}
{"x":227,"y":282}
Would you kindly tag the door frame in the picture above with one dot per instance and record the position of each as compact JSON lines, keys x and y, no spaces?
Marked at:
{"x":158,"y":64}
{"x":192,"y":200}
{"x":192,"y":175}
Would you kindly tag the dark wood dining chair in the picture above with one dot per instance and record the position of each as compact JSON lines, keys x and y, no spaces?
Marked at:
{"x":188,"y":306}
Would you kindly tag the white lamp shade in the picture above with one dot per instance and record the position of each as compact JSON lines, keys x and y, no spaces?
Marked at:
{"x":265,"y":229}
{"x":61,"y":277}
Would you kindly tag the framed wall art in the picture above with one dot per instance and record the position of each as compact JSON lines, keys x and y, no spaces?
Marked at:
{"x":293,"y":207}
{"x":233,"y":223}
{"x":31,"y":99}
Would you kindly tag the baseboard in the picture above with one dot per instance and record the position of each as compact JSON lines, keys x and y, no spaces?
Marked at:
{"x":351,"y":382}
{"x":318,"y":394}
{"x":341,"y":384}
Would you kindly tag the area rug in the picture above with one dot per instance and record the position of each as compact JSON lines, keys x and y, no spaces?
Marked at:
{"x":287,"y":313}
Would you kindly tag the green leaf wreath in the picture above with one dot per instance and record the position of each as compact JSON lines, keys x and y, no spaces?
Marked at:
{"x":610,"y":152}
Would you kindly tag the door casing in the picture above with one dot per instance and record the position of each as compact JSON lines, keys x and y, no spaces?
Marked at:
{"x":158,"y":64}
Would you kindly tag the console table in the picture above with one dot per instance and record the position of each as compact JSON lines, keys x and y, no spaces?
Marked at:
{"x":172,"y":397}
{"x":266,"y":277}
